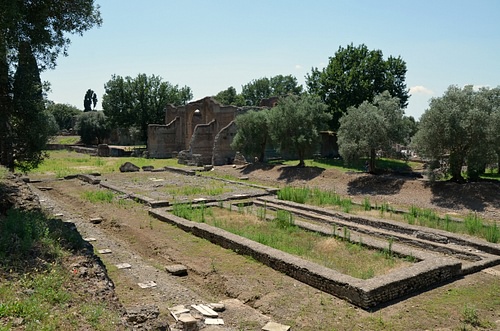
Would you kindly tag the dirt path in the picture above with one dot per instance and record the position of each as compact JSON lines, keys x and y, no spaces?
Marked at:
{"x":255,"y":294}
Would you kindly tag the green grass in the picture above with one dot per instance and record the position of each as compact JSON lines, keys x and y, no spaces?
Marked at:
{"x":214,"y":188}
{"x":284,"y":235}
{"x":64,"y":163}
{"x":65,"y":140}
{"x":35,"y":287}
{"x":98,"y":196}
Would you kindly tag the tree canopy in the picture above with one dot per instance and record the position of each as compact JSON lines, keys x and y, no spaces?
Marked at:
{"x":263,"y":88}
{"x":138,"y":102}
{"x":89,"y":100}
{"x":370,"y":127}
{"x":295,"y":124}
{"x":460,"y":128}
{"x":355,"y":75}
{"x":64,"y":114}
{"x":230,"y":97}
{"x":252,"y":134}
{"x":32,"y":35}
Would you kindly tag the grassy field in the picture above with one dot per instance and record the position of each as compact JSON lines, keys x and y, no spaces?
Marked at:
{"x":63,"y":163}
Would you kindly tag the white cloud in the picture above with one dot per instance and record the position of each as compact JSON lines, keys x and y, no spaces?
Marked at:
{"x":298,"y":67}
{"x":419,"y":89}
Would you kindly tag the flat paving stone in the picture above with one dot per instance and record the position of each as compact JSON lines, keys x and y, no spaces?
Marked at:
{"x":273,"y":326}
{"x":105,"y":251}
{"x":123,"y":266}
{"x":148,"y":284}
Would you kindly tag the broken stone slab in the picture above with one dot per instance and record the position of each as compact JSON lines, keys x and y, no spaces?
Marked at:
{"x":272,"y":326}
{"x":123,"y":266}
{"x":147,"y":168}
{"x":45,"y":188}
{"x":148,"y":284}
{"x":96,"y":220}
{"x":129,"y":167}
{"x":205,"y":310}
{"x":89,"y":239}
{"x":177,"y":269}
{"x":218,"y":307}
{"x":89,"y":179}
{"x":105,"y":251}
{"x":58,"y":215}
{"x":188,"y":322}
{"x":214,"y":321}
{"x":177,"y":311}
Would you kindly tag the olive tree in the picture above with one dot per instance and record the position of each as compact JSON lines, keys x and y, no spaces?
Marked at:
{"x":295,"y":124}
{"x":252,"y":133}
{"x":370,"y":127}
{"x":456,"y":130}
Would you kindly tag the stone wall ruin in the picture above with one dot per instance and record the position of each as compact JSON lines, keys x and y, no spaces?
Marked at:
{"x":191,"y":131}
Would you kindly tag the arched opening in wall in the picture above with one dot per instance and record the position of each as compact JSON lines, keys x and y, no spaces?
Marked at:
{"x":196,"y":119}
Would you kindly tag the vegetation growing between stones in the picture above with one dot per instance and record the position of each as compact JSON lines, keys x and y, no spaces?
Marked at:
{"x":33,"y":248}
{"x":472,"y":224}
{"x":282,"y":233}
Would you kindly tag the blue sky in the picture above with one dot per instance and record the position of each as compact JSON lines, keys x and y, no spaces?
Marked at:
{"x":211,"y":45}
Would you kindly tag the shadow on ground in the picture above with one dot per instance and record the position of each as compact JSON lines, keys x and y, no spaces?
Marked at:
{"x":475,"y":196}
{"x":287,"y":174}
{"x":375,"y":185}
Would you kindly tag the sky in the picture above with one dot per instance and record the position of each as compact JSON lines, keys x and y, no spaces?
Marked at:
{"x":212,"y":45}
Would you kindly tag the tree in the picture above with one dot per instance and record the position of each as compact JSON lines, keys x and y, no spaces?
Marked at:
{"x":355,"y":75}
{"x":230,"y":97}
{"x":89,"y":99}
{"x":30,"y":125}
{"x":263,"y":88}
{"x":93,"y":127}
{"x":454,"y":130}
{"x":370,"y":127}
{"x":295,"y":124}
{"x":35,"y":32}
{"x":64,"y":114}
{"x":252,"y":133}
{"x":138,"y":102}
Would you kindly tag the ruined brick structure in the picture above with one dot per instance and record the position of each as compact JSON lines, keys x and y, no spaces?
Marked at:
{"x":199,"y":133}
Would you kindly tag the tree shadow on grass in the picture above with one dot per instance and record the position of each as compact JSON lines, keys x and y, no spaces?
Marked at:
{"x":376,"y":185}
{"x":287,"y":174}
{"x":475,"y":196}
{"x":293,"y":173}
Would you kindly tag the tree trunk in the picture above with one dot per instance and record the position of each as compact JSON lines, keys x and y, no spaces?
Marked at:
{"x":456,"y":162}
{"x":373,"y":157}
{"x":5,"y":108}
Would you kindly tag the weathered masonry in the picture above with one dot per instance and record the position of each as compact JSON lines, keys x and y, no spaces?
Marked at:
{"x":199,"y":133}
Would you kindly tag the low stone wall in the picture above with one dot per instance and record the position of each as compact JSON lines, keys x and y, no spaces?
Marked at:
{"x":364,"y":293}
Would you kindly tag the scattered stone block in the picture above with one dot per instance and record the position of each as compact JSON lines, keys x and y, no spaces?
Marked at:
{"x":177,"y":311}
{"x":45,"y":188}
{"x":205,"y":310}
{"x":177,"y":269}
{"x":70,"y":176}
{"x":188,"y":322}
{"x":149,"y":284}
{"x":218,"y":307}
{"x":96,"y":220}
{"x":243,"y":178}
{"x":272,"y":326}
{"x":214,"y":321}
{"x":147,"y":168}
{"x":141,"y":314}
{"x":123,"y":266}
{"x":58,"y":215}
{"x":89,"y":239}
{"x":129,"y":167}
{"x":89,"y":179}
{"x":105,"y":251}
